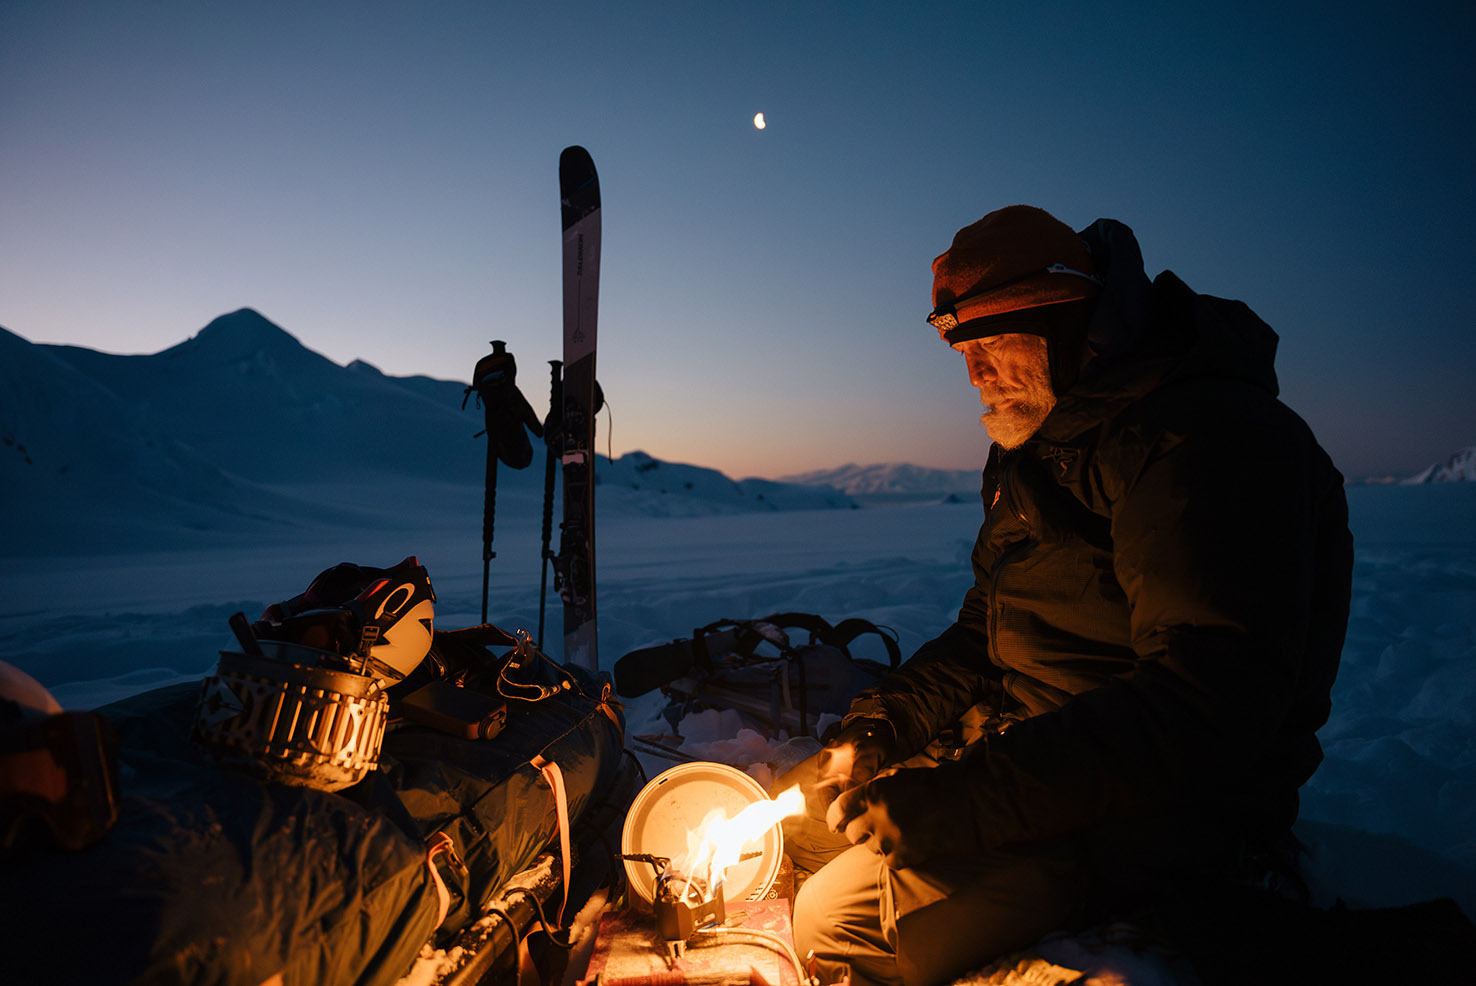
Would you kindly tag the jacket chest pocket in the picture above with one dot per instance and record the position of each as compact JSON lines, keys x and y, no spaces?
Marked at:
{"x":1062,"y":600}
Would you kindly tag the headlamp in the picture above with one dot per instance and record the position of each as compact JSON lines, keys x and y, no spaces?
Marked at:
{"x":948,"y":316}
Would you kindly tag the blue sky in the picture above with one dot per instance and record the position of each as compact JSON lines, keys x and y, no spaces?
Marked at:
{"x":380,"y":180}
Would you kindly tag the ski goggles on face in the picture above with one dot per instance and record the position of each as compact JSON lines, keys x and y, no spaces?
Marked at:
{"x":1031,"y":290}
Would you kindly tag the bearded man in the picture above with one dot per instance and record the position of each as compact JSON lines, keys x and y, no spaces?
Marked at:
{"x":1161,"y":588}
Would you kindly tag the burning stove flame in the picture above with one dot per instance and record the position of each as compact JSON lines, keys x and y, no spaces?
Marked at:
{"x":718,"y":842}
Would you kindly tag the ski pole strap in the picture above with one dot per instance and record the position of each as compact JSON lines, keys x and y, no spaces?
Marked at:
{"x":555,"y":779}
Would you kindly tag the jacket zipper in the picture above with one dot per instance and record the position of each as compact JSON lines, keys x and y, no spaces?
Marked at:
{"x":1006,"y":472}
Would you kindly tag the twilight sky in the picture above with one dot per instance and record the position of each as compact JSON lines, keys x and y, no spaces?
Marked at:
{"x":380,"y":179}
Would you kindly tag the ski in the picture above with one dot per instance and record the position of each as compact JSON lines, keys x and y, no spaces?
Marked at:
{"x":574,"y":574}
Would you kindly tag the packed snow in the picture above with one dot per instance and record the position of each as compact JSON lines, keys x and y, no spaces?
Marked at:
{"x":1390,"y":814}
{"x":1398,"y":787}
{"x":123,"y":580}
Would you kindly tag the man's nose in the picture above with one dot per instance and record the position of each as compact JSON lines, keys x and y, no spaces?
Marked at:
{"x":981,"y":369}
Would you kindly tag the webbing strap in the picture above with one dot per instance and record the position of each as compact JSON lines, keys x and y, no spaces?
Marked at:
{"x":848,"y":630}
{"x":839,"y":635}
{"x":527,"y":968}
{"x":440,"y":842}
{"x":608,"y":708}
{"x":555,"y":778}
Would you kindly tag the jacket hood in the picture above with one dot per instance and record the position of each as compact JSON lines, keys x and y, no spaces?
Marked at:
{"x":1145,"y":335}
{"x":1122,"y":310}
{"x":1162,"y":327}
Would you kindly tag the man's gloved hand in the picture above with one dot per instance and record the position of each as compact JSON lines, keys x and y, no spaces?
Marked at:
{"x":853,"y":756}
{"x":902,"y":814}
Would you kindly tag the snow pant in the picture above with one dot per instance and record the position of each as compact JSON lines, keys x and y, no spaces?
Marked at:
{"x":927,"y":925}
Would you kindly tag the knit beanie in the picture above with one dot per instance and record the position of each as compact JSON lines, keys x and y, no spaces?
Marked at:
{"x":1003,"y":274}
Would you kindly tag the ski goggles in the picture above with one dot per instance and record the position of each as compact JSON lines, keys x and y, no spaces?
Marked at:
{"x":1033,"y":290}
{"x":61,"y":771}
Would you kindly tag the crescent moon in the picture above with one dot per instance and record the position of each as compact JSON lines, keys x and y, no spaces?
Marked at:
{"x":758,"y":121}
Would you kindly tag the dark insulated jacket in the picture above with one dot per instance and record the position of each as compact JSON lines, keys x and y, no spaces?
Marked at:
{"x":1161,"y":587}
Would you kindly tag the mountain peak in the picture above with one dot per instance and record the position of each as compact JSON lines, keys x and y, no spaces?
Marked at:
{"x":242,"y":334}
{"x":242,"y":323}
{"x":1460,"y":466}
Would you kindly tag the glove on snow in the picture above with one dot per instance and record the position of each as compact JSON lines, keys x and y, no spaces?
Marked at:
{"x":905,"y":815}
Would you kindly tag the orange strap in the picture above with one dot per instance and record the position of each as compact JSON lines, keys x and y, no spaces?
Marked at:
{"x":607,"y":706}
{"x":440,"y":842}
{"x":555,"y":778}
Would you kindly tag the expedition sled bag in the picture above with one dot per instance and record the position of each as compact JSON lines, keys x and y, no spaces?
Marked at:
{"x":214,"y":876}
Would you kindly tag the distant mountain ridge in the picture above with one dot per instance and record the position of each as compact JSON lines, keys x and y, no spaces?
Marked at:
{"x":240,"y":427}
{"x":244,"y":394}
{"x":639,"y":471}
{"x":895,"y":481}
{"x":1460,"y":467}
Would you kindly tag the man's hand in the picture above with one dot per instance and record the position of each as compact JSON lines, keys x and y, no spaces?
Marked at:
{"x":897,"y":815}
{"x":853,"y":757}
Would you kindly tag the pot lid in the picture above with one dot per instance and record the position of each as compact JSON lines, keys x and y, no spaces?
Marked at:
{"x":676,"y":802}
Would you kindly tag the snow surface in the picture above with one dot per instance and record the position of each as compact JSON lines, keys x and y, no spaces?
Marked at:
{"x":122,"y":568}
{"x":1393,"y":807}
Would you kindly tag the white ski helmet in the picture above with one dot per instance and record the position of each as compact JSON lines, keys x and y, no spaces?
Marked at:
{"x":380,"y":620}
{"x":397,"y":614}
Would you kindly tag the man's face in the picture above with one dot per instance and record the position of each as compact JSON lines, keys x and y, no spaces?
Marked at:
{"x":1014,"y":380}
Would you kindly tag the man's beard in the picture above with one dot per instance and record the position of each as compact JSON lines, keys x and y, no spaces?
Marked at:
{"x":1016,"y":414}
{"x":1012,"y":425}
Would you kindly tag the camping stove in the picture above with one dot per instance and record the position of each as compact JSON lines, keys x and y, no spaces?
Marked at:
{"x":683,"y":905}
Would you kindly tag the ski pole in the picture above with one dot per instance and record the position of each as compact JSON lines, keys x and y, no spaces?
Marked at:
{"x":489,"y":512}
{"x":552,"y":436}
{"x":506,"y":414}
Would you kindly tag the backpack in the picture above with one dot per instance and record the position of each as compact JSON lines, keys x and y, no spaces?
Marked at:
{"x":754,"y":667}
